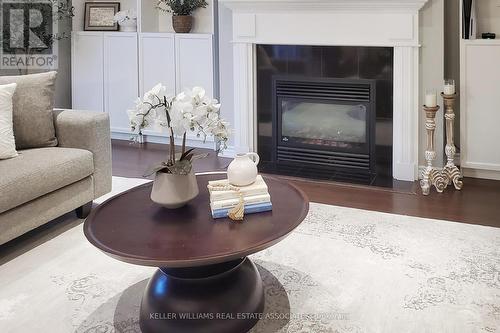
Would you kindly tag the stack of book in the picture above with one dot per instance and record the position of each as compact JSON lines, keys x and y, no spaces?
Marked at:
{"x":256,"y":198}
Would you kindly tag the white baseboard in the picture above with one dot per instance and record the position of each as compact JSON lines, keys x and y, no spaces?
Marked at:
{"x":191,"y":141}
{"x":469,"y":172}
{"x":478,"y":173}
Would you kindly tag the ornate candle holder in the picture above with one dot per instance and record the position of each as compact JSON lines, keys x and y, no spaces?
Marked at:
{"x":431,"y":176}
{"x":451,"y":172}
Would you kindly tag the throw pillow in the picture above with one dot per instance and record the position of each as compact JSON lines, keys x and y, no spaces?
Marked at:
{"x":33,"y":105}
{"x":7,"y":142}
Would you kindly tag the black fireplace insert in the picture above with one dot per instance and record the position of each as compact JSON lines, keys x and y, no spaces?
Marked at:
{"x":326,"y":123}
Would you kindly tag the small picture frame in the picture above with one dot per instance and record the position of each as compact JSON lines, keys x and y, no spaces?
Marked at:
{"x":99,"y":16}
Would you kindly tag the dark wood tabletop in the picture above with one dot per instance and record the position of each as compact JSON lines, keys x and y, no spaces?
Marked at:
{"x":131,"y":228}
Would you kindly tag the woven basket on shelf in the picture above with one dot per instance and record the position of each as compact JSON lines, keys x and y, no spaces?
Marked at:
{"x":182,"y":23}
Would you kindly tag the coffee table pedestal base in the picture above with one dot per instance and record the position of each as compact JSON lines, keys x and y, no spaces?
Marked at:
{"x":221,"y":298}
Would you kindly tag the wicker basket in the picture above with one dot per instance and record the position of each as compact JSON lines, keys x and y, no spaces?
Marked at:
{"x":182,"y":23}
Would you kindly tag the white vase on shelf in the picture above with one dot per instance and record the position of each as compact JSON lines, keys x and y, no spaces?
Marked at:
{"x":128,"y":25}
{"x":127,"y":20}
{"x":242,"y":170}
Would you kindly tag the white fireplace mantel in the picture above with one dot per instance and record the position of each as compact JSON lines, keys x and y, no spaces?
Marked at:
{"x":322,"y":5}
{"x":390,"y":23}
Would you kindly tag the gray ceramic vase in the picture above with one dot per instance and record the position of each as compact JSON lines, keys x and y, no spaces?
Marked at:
{"x":174,"y":191}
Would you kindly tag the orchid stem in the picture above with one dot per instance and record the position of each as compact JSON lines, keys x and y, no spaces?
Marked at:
{"x":183,"y":143}
{"x":172,"y":147}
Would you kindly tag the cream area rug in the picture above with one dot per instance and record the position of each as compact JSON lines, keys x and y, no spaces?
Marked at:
{"x":342,"y":270}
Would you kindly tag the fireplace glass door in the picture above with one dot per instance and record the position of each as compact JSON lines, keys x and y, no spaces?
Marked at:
{"x":323,"y":124}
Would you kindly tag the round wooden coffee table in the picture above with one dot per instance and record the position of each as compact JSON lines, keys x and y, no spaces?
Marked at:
{"x":205,"y":282}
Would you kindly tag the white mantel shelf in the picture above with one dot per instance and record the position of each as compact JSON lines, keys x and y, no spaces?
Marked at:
{"x":390,"y":23}
{"x":324,"y":5}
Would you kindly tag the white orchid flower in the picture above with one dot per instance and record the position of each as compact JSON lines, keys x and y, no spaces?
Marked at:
{"x":156,"y":94}
{"x":191,"y":110}
{"x":198,"y":91}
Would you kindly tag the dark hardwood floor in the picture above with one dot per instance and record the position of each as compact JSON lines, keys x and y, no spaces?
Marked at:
{"x":477,"y":203}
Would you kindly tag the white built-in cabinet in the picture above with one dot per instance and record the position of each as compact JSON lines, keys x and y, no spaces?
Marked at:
{"x":178,"y":61}
{"x":480,"y":100}
{"x":194,"y":66}
{"x":480,"y":108}
{"x":105,"y":74}
{"x":157,"y":61}
{"x":121,"y":78}
{"x":111,"y":69}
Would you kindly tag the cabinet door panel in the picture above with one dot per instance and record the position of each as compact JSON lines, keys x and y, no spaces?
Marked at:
{"x":87,"y":71}
{"x":157,"y":61}
{"x":481,"y":114}
{"x":121,"y":77}
{"x":195,"y":66}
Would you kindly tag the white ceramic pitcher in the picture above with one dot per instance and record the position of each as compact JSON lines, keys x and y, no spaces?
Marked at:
{"x":242,"y":170}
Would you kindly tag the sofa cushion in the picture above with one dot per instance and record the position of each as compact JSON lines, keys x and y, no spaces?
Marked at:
{"x":36,"y":172}
{"x":33,"y":103}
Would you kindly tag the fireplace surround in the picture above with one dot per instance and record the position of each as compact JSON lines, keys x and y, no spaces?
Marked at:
{"x":369,"y":23}
{"x":327,"y":109}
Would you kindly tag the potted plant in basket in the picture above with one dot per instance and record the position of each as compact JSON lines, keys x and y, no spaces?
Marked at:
{"x":182,"y":19}
{"x":192,"y":110}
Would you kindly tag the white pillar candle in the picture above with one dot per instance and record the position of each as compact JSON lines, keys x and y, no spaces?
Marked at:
{"x":431,"y":99}
{"x":449,"y":87}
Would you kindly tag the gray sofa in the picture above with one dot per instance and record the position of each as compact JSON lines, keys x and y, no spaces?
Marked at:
{"x":44,"y":183}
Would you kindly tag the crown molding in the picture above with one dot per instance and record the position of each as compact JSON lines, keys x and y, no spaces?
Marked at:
{"x":254,"y":6}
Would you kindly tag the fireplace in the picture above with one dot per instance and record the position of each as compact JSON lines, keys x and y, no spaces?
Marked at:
{"x":326,"y":112}
{"x":324,"y":122}
{"x":383,"y":41}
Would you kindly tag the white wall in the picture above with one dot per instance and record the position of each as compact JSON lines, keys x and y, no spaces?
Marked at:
{"x":226,"y":84}
{"x":203,"y":19}
{"x":488,"y":12}
{"x":431,"y":71}
{"x":63,"y":82}
{"x":79,"y":5}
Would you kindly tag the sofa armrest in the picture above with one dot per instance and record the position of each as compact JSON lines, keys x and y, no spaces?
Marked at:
{"x":90,"y":131}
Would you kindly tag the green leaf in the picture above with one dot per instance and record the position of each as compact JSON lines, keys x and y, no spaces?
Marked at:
{"x":155,"y":168}
{"x":186,"y":153}
{"x":188,"y":157}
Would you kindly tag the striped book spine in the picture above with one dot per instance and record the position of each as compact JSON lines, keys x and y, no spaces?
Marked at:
{"x":231,"y":203}
{"x":249,"y":209}
{"x":257,"y":188}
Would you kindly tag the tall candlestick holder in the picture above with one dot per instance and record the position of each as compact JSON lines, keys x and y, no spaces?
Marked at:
{"x":450,"y":171}
{"x":431,"y":176}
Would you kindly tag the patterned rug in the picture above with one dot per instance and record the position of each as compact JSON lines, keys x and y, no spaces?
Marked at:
{"x":342,"y":270}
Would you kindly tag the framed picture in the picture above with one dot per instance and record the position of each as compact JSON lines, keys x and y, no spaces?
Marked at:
{"x":99,"y":16}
